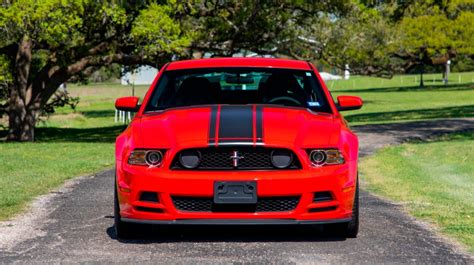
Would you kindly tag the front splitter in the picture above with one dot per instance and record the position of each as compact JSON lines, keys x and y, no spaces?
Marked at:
{"x":235,"y":221}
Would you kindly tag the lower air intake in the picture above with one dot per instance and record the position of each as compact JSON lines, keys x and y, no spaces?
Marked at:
{"x":264,"y":204}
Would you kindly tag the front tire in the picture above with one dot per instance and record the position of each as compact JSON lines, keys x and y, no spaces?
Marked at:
{"x":350,"y":229}
{"x":123,"y":230}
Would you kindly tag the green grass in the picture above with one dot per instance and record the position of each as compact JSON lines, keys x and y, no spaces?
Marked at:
{"x":95,"y":108}
{"x":68,"y":144}
{"x":398,"y":104}
{"x":363,"y":82}
{"x":434,"y":180}
{"x":32,"y":169}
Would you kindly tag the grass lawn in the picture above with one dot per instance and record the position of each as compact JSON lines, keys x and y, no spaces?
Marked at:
{"x":364,"y":82}
{"x":32,"y":169}
{"x":69,"y":144}
{"x":393,"y":102}
{"x":435,"y":181}
{"x":96,"y":106}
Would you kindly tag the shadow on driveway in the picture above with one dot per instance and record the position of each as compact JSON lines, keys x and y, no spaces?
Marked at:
{"x":222,"y":233}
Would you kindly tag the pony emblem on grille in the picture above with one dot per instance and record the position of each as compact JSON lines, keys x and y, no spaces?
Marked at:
{"x":235,"y":158}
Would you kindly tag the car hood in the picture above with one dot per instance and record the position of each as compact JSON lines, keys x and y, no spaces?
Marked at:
{"x":227,"y":125}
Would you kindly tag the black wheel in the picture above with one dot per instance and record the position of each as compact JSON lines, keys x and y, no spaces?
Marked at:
{"x":350,"y":229}
{"x":123,"y":230}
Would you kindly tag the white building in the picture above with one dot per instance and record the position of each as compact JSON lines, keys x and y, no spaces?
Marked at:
{"x":143,"y":75}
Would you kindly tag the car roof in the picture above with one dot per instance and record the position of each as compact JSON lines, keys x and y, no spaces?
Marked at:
{"x":239,"y":62}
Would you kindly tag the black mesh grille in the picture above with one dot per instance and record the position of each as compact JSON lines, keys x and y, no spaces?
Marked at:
{"x":253,"y":158}
{"x":277,"y":204}
{"x":264,"y":204}
{"x":193,"y":204}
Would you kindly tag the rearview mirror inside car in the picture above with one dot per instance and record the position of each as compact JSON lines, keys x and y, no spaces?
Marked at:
{"x":239,"y":79}
{"x":349,"y":103}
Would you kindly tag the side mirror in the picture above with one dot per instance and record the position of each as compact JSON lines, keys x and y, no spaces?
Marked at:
{"x":127,"y":104}
{"x":349,"y":103}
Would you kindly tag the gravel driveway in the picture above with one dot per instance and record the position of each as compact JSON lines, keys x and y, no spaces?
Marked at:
{"x":75,"y":224}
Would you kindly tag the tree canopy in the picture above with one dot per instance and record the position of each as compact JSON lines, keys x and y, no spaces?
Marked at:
{"x":433,"y":32}
{"x":46,"y":42}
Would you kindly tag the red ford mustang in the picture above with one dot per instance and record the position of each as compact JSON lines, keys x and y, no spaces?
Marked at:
{"x":237,"y":141}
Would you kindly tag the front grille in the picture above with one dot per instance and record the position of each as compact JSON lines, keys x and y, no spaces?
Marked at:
{"x":281,"y":204}
{"x":218,"y":158}
{"x":264,"y":204}
{"x":193,"y":204}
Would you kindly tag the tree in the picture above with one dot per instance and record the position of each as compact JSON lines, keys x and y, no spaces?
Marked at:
{"x":5,"y":81}
{"x":265,"y":27}
{"x":361,"y":39}
{"x":46,"y":42}
{"x":433,"y":32}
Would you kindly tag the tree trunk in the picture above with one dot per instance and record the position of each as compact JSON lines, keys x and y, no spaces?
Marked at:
{"x":422,"y":70}
{"x":22,"y":116}
{"x":22,"y":122}
{"x":28,"y":96}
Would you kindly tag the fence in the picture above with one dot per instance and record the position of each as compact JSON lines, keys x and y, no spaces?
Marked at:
{"x":359,"y":82}
{"x":123,"y":116}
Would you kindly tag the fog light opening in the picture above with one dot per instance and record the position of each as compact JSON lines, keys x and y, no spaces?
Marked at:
{"x":281,"y":158}
{"x":190,"y":159}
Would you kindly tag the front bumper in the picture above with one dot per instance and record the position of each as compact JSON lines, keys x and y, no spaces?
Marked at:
{"x":338,"y":180}
{"x":235,"y":221}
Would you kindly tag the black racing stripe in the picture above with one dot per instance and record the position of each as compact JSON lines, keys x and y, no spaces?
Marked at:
{"x":259,"y":123}
{"x":212,"y":126}
{"x":236,"y":124}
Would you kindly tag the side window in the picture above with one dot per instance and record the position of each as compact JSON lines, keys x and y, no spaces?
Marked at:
{"x":160,"y":91}
{"x":315,"y":92}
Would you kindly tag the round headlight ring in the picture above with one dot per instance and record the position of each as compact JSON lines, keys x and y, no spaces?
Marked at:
{"x":318,"y":157}
{"x":190,"y":159}
{"x":281,"y":158}
{"x":153,"y":158}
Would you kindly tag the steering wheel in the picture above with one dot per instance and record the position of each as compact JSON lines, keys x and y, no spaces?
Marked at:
{"x":287,"y":99}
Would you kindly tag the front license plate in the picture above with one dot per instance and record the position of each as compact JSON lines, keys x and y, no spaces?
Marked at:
{"x":235,"y":192}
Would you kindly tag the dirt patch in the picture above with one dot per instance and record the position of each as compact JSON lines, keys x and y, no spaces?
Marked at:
{"x":66,"y":117}
{"x":31,"y":224}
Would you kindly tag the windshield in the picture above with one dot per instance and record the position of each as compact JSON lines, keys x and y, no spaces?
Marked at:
{"x":285,"y":87}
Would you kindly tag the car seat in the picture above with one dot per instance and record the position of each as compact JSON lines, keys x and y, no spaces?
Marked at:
{"x":281,"y":85}
{"x":196,"y":91}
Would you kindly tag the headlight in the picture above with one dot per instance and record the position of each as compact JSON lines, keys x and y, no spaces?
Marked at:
{"x":145,"y":158}
{"x":190,"y":158}
{"x":281,"y":158}
{"x":322,"y":157}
